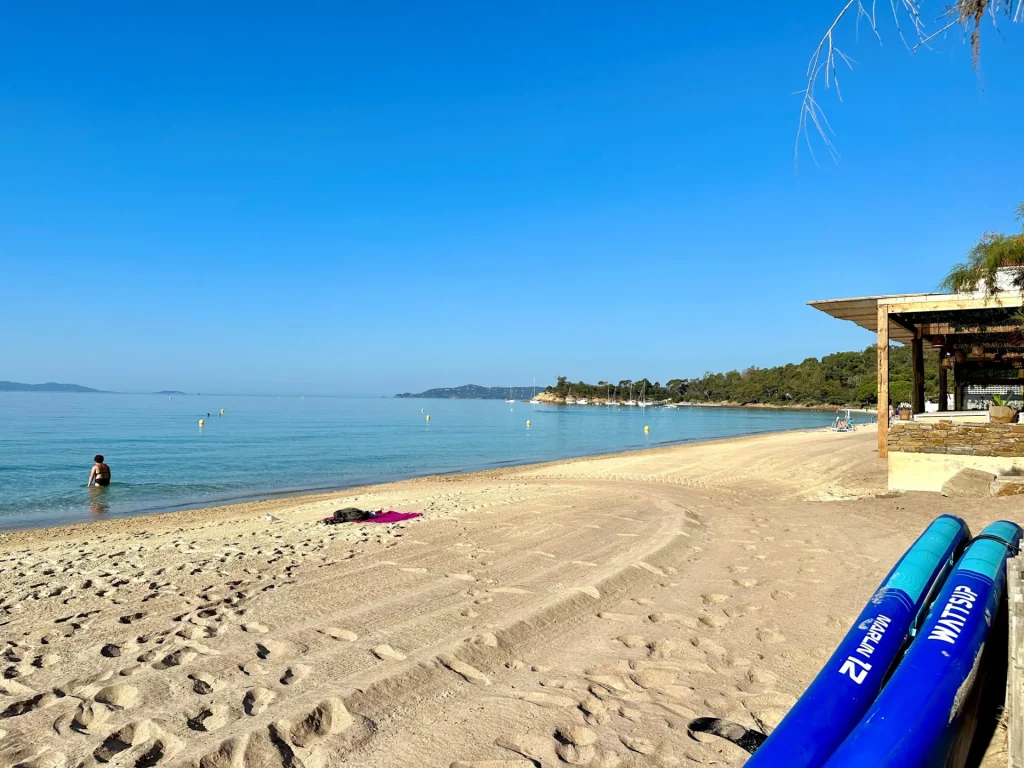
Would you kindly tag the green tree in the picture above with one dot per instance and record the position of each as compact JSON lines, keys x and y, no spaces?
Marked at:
{"x":991,"y":253}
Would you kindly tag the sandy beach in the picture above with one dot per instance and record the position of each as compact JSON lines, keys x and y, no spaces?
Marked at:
{"x":581,"y":612}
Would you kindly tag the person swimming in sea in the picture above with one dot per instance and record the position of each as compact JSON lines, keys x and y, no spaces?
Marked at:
{"x":100,"y":474}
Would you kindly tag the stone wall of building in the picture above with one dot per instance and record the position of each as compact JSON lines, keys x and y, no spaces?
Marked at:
{"x":957,"y":439}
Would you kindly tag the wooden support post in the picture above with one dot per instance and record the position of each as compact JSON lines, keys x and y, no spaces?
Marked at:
{"x":958,"y":386}
{"x":917,"y":367}
{"x":1015,"y":670}
{"x":883,"y":381}
{"x":943,"y":383}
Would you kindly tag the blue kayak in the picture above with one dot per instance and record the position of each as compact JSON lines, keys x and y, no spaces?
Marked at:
{"x":843,"y":691}
{"x":923,"y":717}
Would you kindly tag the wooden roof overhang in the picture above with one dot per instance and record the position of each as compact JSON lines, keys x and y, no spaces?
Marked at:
{"x":932,"y":313}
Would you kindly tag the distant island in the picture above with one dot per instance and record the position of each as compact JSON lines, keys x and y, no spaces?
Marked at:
{"x":169,"y":392}
{"x":50,"y":386}
{"x":474,"y":392}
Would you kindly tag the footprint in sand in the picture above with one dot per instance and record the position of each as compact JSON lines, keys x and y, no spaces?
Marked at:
{"x":488,"y":639}
{"x":118,"y":696}
{"x":709,"y":647}
{"x":295,"y":674}
{"x":267,"y":648}
{"x":746,"y":583}
{"x":175,"y":659}
{"x":209,"y":718}
{"x":654,"y":678}
{"x":88,"y":716}
{"x":740,"y":609}
{"x":131,"y":618}
{"x":608,"y":616}
{"x":782,"y":594}
{"x":204,"y":683}
{"x":545,"y":700}
{"x":253,"y":669}
{"x":770,"y":636}
{"x":254,"y":627}
{"x":660,"y":649}
{"x":738,"y":568}
{"x":714,"y":598}
{"x":673,"y":618}
{"x":594,"y":710}
{"x":713,"y":622}
{"x":256,"y":700}
{"x":468,"y":673}
{"x":340,"y":634}
{"x":387,"y":653}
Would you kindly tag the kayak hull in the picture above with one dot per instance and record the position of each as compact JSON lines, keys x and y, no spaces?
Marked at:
{"x":924,"y":715}
{"x":850,"y":680}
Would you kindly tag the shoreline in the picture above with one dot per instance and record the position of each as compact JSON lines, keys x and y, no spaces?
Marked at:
{"x":270,"y":503}
{"x":677,"y":582}
{"x":297,"y":495}
{"x":721,"y":404}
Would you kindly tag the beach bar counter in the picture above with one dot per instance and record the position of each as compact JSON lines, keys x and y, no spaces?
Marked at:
{"x":979,"y":339}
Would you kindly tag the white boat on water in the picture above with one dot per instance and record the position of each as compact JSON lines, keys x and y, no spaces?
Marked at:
{"x":582,"y":401}
{"x":643,"y":399}
{"x":630,"y":403}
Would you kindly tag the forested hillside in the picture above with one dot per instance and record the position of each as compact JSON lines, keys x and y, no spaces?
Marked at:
{"x":843,"y":378}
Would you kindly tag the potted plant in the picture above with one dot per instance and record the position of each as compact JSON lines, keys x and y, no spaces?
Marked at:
{"x":1002,"y":411}
{"x":904,"y":412}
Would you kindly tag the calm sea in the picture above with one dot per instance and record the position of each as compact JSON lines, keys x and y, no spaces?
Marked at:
{"x":162,"y":460}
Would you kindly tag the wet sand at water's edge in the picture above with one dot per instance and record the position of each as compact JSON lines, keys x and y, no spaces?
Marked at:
{"x":581,"y":612}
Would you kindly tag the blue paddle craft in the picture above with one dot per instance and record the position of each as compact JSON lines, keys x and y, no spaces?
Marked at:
{"x":924,"y":716}
{"x":850,"y":680}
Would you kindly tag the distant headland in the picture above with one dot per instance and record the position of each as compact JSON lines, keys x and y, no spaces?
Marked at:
{"x":53,"y":386}
{"x":50,"y":386}
{"x":475,"y":392}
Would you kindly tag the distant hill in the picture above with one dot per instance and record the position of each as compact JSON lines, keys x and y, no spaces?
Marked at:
{"x":50,"y":386}
{"x":474,"y":392}
{"x":169,"y":392}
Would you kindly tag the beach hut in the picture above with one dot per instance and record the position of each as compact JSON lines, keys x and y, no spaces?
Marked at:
{"x":979,"y":339}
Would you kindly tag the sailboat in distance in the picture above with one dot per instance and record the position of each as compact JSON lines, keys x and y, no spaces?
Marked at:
{"x":631,"y":402}
{"x":534,"y":399}
{"x":643,"y":398}
{"x":510,"y":398}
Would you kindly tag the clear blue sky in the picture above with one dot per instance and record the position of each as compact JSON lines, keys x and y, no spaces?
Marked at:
{"x":335,"y":199}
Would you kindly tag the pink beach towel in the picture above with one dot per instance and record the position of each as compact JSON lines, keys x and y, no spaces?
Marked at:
{"x":393,"y":517}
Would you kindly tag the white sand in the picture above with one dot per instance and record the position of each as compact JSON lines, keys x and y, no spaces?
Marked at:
{"x":575,"y":613}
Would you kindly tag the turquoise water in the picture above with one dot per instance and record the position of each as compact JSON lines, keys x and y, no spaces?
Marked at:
{"x":162,"y":460}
